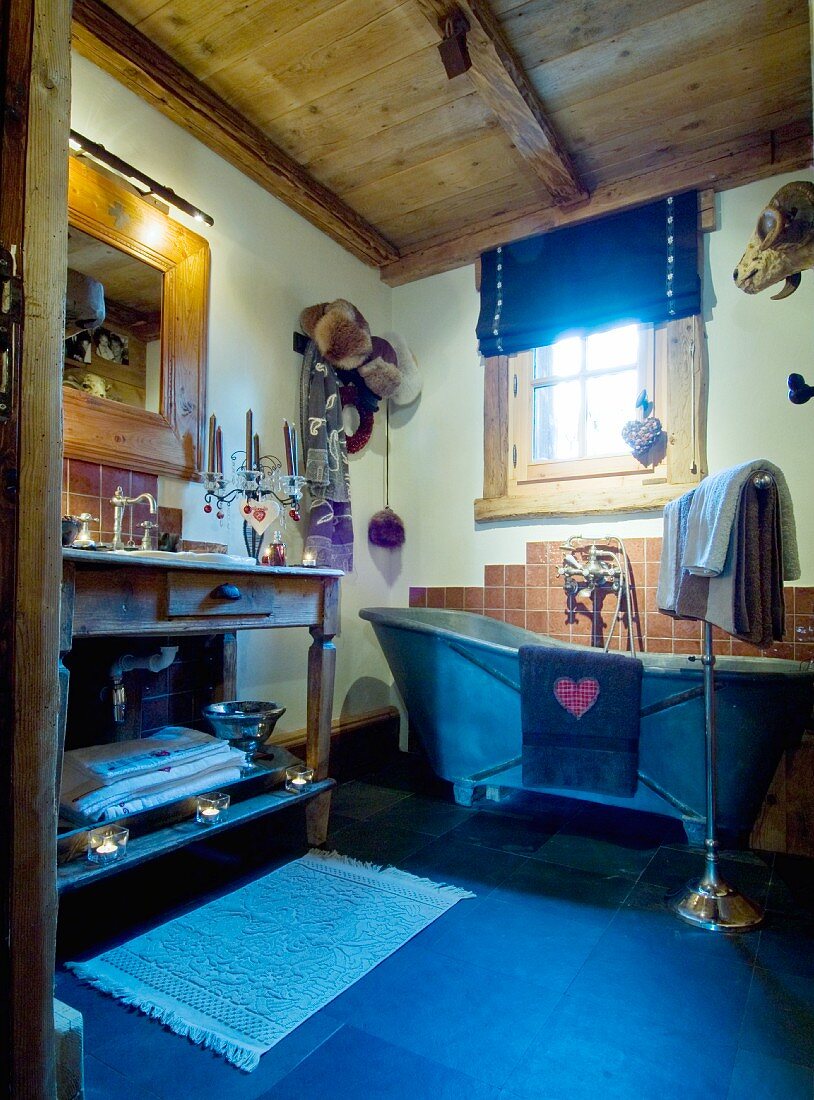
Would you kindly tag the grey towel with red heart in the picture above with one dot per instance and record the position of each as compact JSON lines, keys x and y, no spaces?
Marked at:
{"x":580,"y":717}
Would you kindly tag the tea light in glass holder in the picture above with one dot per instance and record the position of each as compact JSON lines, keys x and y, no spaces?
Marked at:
{"x":106,"y":845}
{"x":309,"y":558}
{"x":211,"y":809}
{"x":298,"y":778}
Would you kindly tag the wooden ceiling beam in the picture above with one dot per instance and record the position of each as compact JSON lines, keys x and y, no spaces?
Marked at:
{"x":502,"y":83}
{"x":112,"y":44}
{"x":754,"y":157}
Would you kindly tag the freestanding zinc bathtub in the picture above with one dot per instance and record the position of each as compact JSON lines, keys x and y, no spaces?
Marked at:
{"x":458,"y":674}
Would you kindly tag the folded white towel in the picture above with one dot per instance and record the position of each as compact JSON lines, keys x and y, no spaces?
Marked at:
{"x":712,"y":514}
{"x":158,"y":794}
{"x":170,"y":745}
{"x":85,"y":795}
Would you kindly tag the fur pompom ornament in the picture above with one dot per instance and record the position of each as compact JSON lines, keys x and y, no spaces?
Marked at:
{"x":386,"y":529}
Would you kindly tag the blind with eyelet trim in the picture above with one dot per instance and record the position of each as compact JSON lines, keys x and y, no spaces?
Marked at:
{"x":640,"y":265}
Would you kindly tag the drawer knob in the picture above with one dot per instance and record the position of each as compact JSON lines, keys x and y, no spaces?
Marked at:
{"x":226,"y":592}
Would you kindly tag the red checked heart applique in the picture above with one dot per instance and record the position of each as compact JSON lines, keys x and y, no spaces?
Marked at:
{"x":577,"y":697}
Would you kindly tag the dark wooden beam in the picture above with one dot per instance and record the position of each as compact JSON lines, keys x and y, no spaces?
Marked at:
{"x":103,"y":37}
{"x":732,"y":164}
{"x":504,"y":86}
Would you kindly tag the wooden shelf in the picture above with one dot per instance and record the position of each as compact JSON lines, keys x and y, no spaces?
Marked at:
{"x":167,"y":828}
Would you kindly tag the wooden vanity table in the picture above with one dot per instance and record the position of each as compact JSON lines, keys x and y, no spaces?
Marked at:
{"x":117,"y":595}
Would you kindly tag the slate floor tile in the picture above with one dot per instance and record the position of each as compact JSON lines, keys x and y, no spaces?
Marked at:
{"x":467,"y":1018}
{"x":787,"y":944}
{"x":547,"y":946}
{"x":572,"y":847}
{"x":761,"y":1077}
{"x":172,"y":1067}
{"x":792,"y":885}
{"x":467,"y":865}
{"x":672,"y":867}
{"x":423,"y":815}
{"x":515,"y":834}
{"x":779,"y":1019}
{"x":587,"y":1050}
{"x":372,"y":843}
{"x":411,"y":773}
{"x":104,"y":1083}
{"x":361,"y":800}
{"x":353,"y":1064}
{"x":535,"y":882}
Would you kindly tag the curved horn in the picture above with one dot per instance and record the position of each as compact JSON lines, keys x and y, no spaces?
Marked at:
{"x":792,"y":282}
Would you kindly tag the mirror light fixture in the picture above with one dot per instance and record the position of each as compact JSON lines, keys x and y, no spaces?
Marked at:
{"x":80,"y":144}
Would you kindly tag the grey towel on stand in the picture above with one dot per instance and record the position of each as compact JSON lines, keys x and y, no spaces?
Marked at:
{"x":712,"y":516}
{"x":745,"y":598}
{"x":672,"y":550}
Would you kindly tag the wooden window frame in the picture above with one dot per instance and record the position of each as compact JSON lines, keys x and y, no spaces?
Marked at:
{"x":681,"y":381}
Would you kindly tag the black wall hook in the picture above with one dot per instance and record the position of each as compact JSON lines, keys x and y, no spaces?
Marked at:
{"x":799,"y":392}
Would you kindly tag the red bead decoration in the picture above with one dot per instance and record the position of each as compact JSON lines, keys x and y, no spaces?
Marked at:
{"x":220,"y":515}
{"x":295,"y":515}
{"x":207,"y":508}
{"x":247,"y":508}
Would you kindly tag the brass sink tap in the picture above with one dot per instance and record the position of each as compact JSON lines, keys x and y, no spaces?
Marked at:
{"x":120,"y":502}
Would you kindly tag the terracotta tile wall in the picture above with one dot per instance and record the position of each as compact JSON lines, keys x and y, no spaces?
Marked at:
{"x":88,"y":487}
{"x":532,"y":596}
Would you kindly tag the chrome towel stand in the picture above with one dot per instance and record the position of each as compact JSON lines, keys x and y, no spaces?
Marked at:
{"x":712,"y":902}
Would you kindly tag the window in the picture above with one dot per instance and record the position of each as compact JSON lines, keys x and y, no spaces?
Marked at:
{"x":553,"y":419}
{"x":571,"y":399}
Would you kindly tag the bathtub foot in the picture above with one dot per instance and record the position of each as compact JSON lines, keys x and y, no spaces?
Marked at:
{"x":695,"y":829}
{"x":466,"y":793}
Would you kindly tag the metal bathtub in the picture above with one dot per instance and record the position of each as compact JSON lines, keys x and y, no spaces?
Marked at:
{"x":458,"y":674}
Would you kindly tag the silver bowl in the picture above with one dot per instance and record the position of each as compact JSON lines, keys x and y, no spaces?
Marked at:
{"x":246,"y":723}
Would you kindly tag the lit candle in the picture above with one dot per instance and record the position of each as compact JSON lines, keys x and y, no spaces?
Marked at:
{"x":107,"y":848}
{"x":309,"y":558}
{"x":212,"y":813}
{"x":249,"y":432}
{"x":298,"y":778}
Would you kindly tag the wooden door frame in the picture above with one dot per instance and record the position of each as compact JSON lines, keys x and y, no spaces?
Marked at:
{"x":34,"y":126}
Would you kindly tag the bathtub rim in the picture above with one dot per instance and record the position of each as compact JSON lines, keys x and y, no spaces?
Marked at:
{"x":658,"y":664}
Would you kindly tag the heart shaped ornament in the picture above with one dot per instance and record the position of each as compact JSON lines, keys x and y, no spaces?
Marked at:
{"x":260,"y":514}
{"x":576,"y":696}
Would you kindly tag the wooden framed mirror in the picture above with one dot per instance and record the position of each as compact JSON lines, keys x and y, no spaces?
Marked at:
{"x":107,"y":413}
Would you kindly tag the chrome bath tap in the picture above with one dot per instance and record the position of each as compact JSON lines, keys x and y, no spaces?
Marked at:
{"x":120,"y":502}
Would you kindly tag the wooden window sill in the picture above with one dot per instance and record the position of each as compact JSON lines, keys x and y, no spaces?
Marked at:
{"x":567,"y":498}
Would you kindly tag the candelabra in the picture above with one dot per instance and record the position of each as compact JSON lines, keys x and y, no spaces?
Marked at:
{"x":267,"y":493}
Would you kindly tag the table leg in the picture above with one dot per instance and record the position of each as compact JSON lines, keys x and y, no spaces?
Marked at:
{"x":321,"y":671}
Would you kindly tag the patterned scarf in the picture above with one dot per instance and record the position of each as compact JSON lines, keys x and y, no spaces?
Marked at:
{"x":330,"y":525}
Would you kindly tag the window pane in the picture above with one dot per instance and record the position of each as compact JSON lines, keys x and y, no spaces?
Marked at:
{"x":555,"y":431}
{"x":561,"y":360}
{"x":617,"y":347}
{"x":610,"y":402}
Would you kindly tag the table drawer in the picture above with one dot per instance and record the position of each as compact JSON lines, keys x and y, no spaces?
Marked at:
{"x":222,"y":594}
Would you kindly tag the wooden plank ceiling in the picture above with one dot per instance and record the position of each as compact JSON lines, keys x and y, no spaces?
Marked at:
{"x":344,"y":110}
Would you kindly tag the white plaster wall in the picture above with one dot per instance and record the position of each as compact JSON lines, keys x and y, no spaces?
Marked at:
{"x":267,"y":264}
{"x":436,"y":464}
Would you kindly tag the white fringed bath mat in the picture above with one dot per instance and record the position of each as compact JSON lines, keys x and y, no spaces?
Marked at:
{"x":239,"y":974}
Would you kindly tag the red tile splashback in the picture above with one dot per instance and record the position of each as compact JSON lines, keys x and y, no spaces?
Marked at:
{"x":532,"y":596}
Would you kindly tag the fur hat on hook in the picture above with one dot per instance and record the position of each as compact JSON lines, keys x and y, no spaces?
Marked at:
{"x":380,"y":371}
{"x":340,"y":332}
{"x":410,"y":386}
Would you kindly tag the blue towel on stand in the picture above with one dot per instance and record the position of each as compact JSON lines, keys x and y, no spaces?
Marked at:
{"x":580,"y":716}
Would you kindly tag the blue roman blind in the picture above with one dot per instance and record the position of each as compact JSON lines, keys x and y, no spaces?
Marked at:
{"x":638,"y":265}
